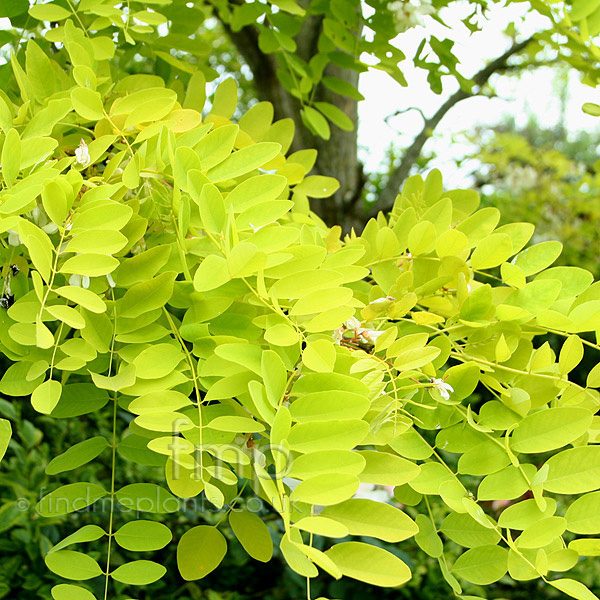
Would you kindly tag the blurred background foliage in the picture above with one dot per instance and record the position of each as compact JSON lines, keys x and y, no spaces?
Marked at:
{"x":538,"y":176}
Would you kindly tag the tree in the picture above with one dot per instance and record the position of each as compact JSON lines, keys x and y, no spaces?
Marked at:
{"x":162,"y":267}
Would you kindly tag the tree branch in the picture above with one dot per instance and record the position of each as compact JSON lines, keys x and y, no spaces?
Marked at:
{"x":413,"y":152}
{"x":403,"y":111}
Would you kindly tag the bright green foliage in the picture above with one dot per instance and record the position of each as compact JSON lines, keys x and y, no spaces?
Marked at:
{"x":200,"y":551}
{"x":5,"y":434}
{"x":255,"y":349}
{"x":253,"y":534}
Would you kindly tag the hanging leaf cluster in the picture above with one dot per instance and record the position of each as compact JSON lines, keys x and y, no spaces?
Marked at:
{"x":162,"y":262}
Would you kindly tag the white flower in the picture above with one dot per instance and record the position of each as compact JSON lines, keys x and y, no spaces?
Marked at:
{"x":79,"y":280}
{"x":40,"y":218}
{"x":110,"y":280}
{"x":338,"y":335}
{"x":520,"y":177}
{"x":409,"y":13}
{"x":14,"y":239}
{"x":445,"y":389}
{"x":82,"y":154}
{"x":353,"y":323}
{"x":370,"y":335}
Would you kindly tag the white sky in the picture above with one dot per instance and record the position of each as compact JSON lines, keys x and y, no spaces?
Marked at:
{"x":533,"y":92}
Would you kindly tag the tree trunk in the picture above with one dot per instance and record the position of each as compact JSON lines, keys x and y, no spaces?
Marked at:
{"x":338,"y":157}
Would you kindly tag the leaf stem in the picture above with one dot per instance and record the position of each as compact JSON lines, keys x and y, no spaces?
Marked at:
{"x":194,"y":379}
{"x":114,"y":453}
